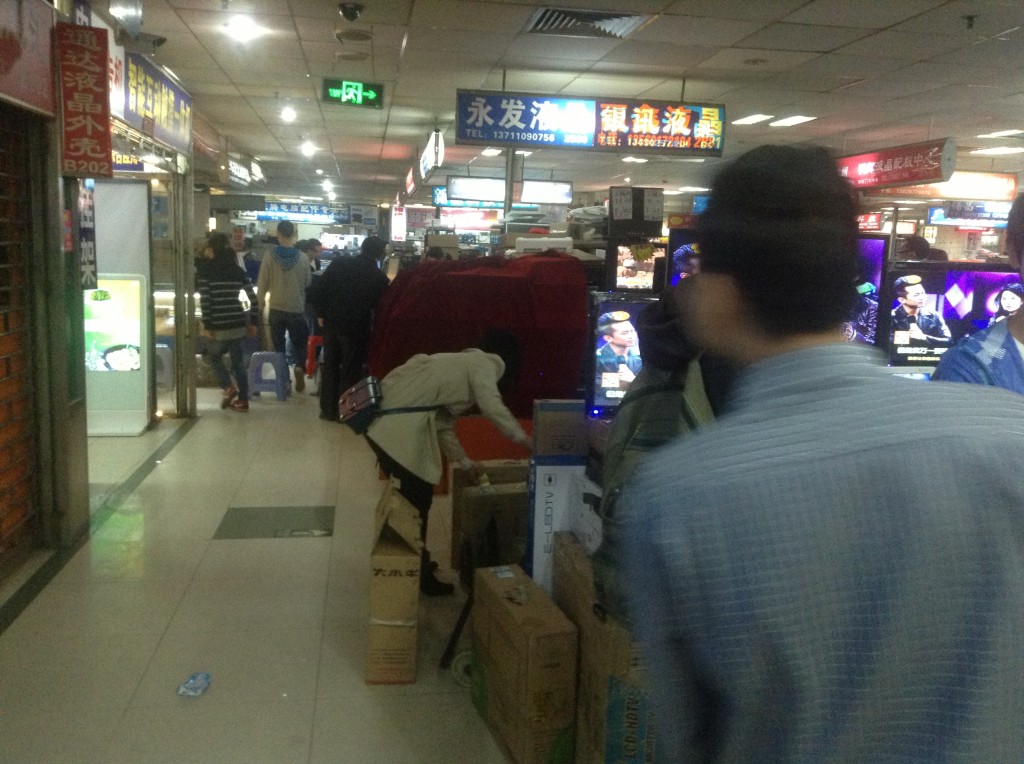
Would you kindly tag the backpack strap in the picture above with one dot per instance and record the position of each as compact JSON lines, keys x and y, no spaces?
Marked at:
{"x":407,"y":409}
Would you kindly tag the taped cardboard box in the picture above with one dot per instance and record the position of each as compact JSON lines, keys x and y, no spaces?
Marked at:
{"x":525,"y":647}
{"x":471,"y":514}
{"x":559,"y":427}
{"x":614,"y":721}
{"x":394,"y":610}
{"x":394,"y":511}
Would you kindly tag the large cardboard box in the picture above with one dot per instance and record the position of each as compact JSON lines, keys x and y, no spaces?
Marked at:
{"x":552,"y":489}
{"x":505,"y":500}
{"x":559,"y":428}
{"x":394,"y":511}
{"x":614,"y":720}
{"x":525,"y":648}
{"x":394,"y":608}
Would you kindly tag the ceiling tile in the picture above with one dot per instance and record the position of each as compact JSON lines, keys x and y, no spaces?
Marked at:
{"x":613,"y":86}
{"x":901,"y":45}
{"x":696,"y":30}
{"x":659,"y":54}
{"x":766,"y":60}
{"x":759,"y":10}
{"x":470,"y":15}
{"x":867,"y":14}
{"x":802,"y":37}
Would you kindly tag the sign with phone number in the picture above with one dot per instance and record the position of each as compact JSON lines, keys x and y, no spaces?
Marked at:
{"x":487,"y":118}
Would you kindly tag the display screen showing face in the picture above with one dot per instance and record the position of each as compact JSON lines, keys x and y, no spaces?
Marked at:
{"x":862,"y":324}
{"x":684,"y":254}
{"x":617,"y":355}
{"x":932,"y":310}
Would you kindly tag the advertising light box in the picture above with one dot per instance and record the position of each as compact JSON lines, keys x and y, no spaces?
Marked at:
{"x":478,"y":189}
{"x":546,"y":192}
{"x":439,"y":198}
{"x":489,"y":119}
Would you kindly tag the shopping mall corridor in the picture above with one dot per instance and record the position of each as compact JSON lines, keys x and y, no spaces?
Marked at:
{"x":209,"y":554}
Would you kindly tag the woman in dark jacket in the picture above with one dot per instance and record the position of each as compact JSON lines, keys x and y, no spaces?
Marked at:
{"x":225,"y":320}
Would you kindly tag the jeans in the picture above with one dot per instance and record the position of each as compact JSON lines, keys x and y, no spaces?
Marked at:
{"x":298,"y":333}
{"x":215,"y":350}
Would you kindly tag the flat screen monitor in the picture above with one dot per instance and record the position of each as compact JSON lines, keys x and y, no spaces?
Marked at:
{"x":935,"y":307}
{"x":862,"y":325}
{"x":684,"y":254}
{"x":546,"y":192}
{"x":636,"y":267}
{"x":616,"y":355}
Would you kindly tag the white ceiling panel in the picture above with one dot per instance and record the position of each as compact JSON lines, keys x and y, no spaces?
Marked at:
{"x":758,"y":10}
{"x":905,"y":46}
{"x":867,"y":14}
{"x":802,"y":37}
{"x":697,"y":30}
{"x":752,"y":59}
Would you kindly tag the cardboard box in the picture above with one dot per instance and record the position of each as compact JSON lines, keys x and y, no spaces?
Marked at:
{"x":614,"y":720}
{"x":394,"y":609}
{"x":471,"y":514}
{"x":559,"y":428}
{"x":525,"y":648}
{"x":394,"y":511}
{"x":551,"y":491}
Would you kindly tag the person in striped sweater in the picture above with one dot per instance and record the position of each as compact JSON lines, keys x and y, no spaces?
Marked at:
{"x":226,"y":322}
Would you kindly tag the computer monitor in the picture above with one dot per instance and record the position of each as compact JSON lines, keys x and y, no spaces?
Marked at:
{"x":616,"y":355}
{"x":635,"y":266}
{"x":943,"y":305}
{"x":862,"y":325}
{"x":683,"y":254}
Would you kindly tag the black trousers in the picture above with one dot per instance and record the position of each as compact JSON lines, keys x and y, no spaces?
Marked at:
{"x":416,"y":490}
{"x":343,"y":366}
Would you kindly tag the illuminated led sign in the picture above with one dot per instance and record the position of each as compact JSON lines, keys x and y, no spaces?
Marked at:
{"x":488,"y":118}
{"x":369,"y":95}
{"x":908,"y":165}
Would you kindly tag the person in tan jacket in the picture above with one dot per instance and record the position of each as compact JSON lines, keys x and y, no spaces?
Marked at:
{"x":409,"y":444}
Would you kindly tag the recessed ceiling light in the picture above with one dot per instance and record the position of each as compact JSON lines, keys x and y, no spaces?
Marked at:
{"x":1000,"y":150}
{"x":491,"y":152}
{"x":637,"y":160}
{"x":288,"y":114}
{"x":908,"y":201}
{"x":1001,"y":134}
{"x":308,"y":149}
{"x":628,"y":180}
{"x":319,"y":171}
{"x":384,"y":205}
{"x":243,"y":29}
{"x":327,"y":185}
{"x":331,"y":195}
{"x":790,"y":121}
{"x":753,"y":119}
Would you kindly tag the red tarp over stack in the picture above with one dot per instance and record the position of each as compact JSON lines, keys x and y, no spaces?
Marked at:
{"x":446,"y":306}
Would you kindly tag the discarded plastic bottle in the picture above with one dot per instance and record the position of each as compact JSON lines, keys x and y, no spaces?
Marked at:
{"x":195,"y":685}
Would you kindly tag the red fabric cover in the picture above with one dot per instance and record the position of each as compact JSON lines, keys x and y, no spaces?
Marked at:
{"x":446,"y":306}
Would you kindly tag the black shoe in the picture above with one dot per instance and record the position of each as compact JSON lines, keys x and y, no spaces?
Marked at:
{"x":430,"y":586}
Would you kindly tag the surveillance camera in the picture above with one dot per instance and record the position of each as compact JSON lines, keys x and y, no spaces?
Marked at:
{"x":144,"y":43}
{"x":350,"y":11}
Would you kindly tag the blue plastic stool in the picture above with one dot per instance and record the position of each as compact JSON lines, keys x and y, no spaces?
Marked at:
{"x":258,"y":383}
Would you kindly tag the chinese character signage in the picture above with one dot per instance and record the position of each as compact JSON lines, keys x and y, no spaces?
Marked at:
{"x":598,"y":123}
{"x":369,"y":95}
{"x":304,"y":213}
{"x":157,"y":106}
{"x":909,"y":165}
{"x":980,"y":186}
{"x":85,"y":102}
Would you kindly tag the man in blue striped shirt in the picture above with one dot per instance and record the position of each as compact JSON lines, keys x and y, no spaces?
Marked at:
{"x":812,"y":579}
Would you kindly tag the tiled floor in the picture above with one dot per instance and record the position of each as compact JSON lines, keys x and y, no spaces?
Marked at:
{"x":89,"y":671}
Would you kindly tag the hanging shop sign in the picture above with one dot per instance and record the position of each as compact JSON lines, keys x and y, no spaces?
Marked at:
{"x":410,"y":182}
{"x":870,"y":221}
{"x":85,"y":102}
{"x":399,"y":229}
{"x":127,"y":161}
{"x":157,"y":106}
{"x":304,"y":213}
{"x":115,"y":68}
{"x":238,"y":172}
{"x":369,"y":95}
{"x":910,"y":165}
{"x":489,"y":118}
{"x":26,"y":55}
{"x":433,"y":154}
{"x":977,"y":186}
{"x":439,"y":198}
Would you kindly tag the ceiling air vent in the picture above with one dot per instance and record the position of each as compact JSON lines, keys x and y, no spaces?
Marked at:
{"x":570,"y":22}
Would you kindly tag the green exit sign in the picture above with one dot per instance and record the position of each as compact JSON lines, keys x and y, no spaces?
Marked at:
{"x":367,"y":94}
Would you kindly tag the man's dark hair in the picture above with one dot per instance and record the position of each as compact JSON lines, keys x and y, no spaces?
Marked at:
{"x":373,"y":247}
{"x":286,"y":228}
{"x":307,"y":245}
{"x":220,"y":244}
{"x":917,"y":246}
{"x":781,"y":221}
{"x":505,"y":345}
{"x":903,"y":282}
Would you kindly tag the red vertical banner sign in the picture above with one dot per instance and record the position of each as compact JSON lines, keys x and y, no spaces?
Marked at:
{"x":85,"y":102}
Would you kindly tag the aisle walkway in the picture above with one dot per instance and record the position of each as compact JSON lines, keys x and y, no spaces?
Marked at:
{"x":167,"y":586}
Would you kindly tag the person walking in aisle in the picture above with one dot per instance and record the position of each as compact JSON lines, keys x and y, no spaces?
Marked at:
{"x":344,"y":298}
{"x":284,"y":278}
{"x":226,"y":322}
{"x":812,"y":581}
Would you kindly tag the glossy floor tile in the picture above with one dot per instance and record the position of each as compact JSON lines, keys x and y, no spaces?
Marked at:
{"x":236,"y":545}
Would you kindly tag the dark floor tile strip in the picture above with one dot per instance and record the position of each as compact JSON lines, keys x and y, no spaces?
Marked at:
{"x":28,"y":591}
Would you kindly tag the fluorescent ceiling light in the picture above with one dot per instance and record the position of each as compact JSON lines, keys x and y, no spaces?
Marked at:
{"x":491,"y":152}
{"x":523,"y":153}
{"x":1001,"y":133}
{"x":308,"y":149}
{"x":319,"y":171}
{"x":327,"y":185}
{"x":384,"y":205}
{"x":243,"y":29}
{"x":790,"y":121}
{"x":670,"y":192}
{"x":693,"y":189}
{"x":693,"y":160}
{"x":288,"y":114}
{"x":637,"y":160}
{"x":1001,"y":150}
{"x":331,"y":195}
{"x":908,"y":201}
{"x":753,"y":119}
